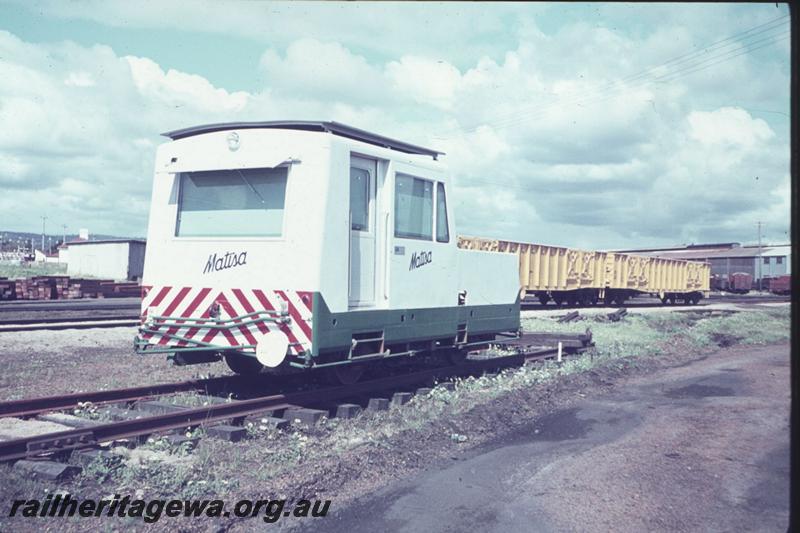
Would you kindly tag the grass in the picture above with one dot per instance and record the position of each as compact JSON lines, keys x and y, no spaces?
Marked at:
{"x":221,"y":469}
{"x":17,"y":271}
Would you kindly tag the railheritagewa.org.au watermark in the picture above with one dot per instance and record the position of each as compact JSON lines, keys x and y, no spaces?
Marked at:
{"x":65,"y":505}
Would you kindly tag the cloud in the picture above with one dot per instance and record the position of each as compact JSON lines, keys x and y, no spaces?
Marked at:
{"x":13,"y":171}
{"x":388,"y":29}
{"x":550,"y":136}
{"x":730,"y":126}
{"x":79,"y":79}
{"x":321,"y":70}
{"x":426,"y":81}
{"x":175,"y":88}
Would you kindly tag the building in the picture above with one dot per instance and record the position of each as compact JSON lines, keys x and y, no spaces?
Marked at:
{"x":63,"y":248}
{"x":117,"y":259}
{"x":726,"y":258}
{"x":45,"y":257}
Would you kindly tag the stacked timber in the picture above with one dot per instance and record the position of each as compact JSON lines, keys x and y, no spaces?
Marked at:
{"x":57,"y":285}
{"x":66,"y":288}
{"x":122,"y":289}
{"x":36,"y":288}
{"x":86,"y":288}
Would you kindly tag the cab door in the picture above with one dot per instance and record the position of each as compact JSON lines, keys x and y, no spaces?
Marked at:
{"x":363,"y":247}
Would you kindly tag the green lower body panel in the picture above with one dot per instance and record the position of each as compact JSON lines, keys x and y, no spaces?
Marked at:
{"x":334,"y":332}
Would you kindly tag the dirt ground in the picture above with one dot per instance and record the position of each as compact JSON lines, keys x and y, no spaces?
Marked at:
{"x":688,"y":440}
{"x":44,"y":363}
{"x":702,"y":446}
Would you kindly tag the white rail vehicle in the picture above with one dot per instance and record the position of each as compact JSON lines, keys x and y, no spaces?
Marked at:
{"x":311,"y":244}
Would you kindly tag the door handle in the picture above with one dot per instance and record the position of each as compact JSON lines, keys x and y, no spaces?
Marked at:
{"x":349,"y":252}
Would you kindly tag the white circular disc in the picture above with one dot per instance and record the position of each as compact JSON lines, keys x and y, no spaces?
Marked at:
{"x":271,"y":348}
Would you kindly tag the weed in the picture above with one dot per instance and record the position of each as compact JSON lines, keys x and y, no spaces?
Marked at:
{"x":27,"y":270}
{"x":219,"y":468}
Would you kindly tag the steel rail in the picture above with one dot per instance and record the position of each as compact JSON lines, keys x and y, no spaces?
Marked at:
{"x":70,"y":325}
{"x":534,"y":305}
{"x":59,"y":320}
{"x":88,"y":304}
{"x":192,"y":417}
{"x":35,"y":406}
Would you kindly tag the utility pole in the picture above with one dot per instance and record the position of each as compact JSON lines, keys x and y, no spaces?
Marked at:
{"x":760,"y":260}
{"x":64,"y":237}
{"x":44,"y":218}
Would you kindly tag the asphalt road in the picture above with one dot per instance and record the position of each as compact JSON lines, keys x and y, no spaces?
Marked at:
{"x":701,"y":447}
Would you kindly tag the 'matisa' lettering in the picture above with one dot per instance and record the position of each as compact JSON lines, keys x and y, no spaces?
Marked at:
{"x":420,"y":259}
{"x":229,"y":260}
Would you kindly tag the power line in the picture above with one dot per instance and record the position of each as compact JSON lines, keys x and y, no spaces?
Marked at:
{"x":767,"y":26}
{"x":639,"y":75}
{"x":689,"y":69}
{"x":706,"y":49}
{"x":767,"y":41}
{"x":692,"y":61}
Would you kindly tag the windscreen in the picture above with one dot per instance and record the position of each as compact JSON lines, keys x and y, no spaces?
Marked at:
{"x":232,"y":203}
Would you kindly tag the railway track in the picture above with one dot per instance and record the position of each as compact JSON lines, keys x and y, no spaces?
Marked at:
{"x":93,"y":304}
{"x":534,"y":305}
{"x":131,"y":319}
{"x":36,"y":406}
{"x":62,"y":442}
{"x":79,"y":322}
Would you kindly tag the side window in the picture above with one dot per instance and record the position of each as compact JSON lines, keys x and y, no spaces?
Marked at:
{"x":442,"y":233}
{"x":359,"y":199}
{"x":779,"y":260}
{"x":413,"y":208}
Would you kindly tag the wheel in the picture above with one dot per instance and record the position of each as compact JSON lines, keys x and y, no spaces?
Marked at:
{"x":543,"y":299}
{"x":348,"y":374}
{"x":558,"y":300}
{"x":243,"y":364}
{"x":456,"y":356}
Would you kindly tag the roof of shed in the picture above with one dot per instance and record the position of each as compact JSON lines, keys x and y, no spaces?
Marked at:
{"x":335,"y":128}
{"x":106,"y":241}
{"x":715,"y":254}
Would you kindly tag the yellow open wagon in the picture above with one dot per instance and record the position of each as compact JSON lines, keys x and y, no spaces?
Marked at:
{"x":583,"y":277}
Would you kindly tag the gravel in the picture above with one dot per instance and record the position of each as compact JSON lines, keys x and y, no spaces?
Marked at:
{"x":44,"y":363}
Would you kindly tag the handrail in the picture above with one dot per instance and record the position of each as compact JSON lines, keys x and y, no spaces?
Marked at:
{"x":210,"y":322}
{"x":387,"y":258}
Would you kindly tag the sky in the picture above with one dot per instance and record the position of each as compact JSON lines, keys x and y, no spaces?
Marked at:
{"x":599,"y":125}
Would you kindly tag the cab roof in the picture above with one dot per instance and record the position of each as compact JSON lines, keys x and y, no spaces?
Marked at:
{"x":335,"y":128}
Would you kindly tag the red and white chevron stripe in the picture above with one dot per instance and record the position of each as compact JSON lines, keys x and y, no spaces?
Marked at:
{"x":193,"y":302}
